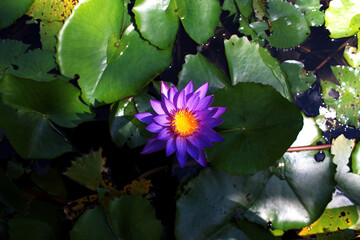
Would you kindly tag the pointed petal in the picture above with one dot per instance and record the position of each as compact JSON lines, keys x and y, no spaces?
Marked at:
{"x":169,"y":106}
{"x":165,"y":134}
{"x":172,"y":92}
{"x":203,"y":90}
{"x":211,"y":122}
{"x":181,"y":100}
{"x":156,"y":105}
{"x":193,"y":101}
{"x":205,"y":103}
{"x":181,"y":145}
{"x":193,"y":151}
{"x":163,"y":120}
{"x":154,"y":127}
{"x":164,"y":89}
{"x":181,"y":159}
{"x":200,"y":141}
{"x":170,"y":146}
{"x":219,"y":111}
{"x":202,"y":158}
{"x":189,"y":88}
{"x":153,"y":145}
{"x":211,"y":134}
{"x":204,"y":140}
{"x":145,"y":117}
{"x":203,"y":115}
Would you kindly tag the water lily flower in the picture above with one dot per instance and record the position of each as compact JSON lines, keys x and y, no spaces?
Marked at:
{"x":183,"y":123}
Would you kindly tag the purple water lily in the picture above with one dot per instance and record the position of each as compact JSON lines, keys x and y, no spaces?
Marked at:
{"x":182,"y":123}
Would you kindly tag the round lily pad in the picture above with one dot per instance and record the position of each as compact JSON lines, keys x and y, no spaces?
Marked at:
{"x":11,"y":10}
{"x":259,"y":126}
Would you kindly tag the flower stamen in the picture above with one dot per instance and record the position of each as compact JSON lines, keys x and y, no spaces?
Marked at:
{"x":184,"y":123}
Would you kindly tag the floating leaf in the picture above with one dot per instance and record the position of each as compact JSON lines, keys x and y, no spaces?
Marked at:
{"x":248,"y":62}
{"x":344,"y":98}
{"x":32,"y":134}
{"x":298,"y":78}
{"x":215,"y":199}
{"x":23,"y":228}
{"x":89,"y":170}
{"x":271,"y":122}
{"x":341,"y":148}
{"x":51,"y":10}
{"x":10,"y":195}
{"x":352,"y":55}
{"x":111,"y":59}
{"x":10,"y":50}
{"x":311,"y":8}
{"x":48,"y":34}
{"x":355,"y":159}
{"x":50,"y":182}
{"x":341,"y":18}
{"x":11,"y":10}
{"x":245,"y":7}
{"x":199,"y":70}
{"x":332,"y":220}
{"x":57,"y":100}
{"x":309,"y":134}
{"x":129,"y":217}
{"x":289,"y":27}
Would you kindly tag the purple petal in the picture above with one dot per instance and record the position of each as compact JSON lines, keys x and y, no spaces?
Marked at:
{"x":193,"y":151}
{"x":202,"y":158}
{"x":173,"y":91}
{"x":210,"y":134}
{"x":181,"y":159}
{"x":181,"y":145}
{"x":156,"y":105}
{"x":165,"y":134}
{"x":164,"y":89}
{"x":193,"y":101}
{"x":154,"y":127}
{"x":219,"y":111}
{"x":200,"y":141}
{"x":145,"y":117}
{"x":163,"y":120}
{"x":205,"y":103}
{"x":170,"y":146}
{"x":153,"y":145}
{"x":169,"y":106}
{"x":203,"y":90}
{"x":181,"y":100}
{"x":189,"y":88}
{"x":203,"y":115}
{"x":211,"y":122}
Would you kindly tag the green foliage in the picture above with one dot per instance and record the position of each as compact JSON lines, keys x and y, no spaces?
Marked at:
{"x":342,"y":18}
{"x":86,"y":41}
{"x":247,"y":123}
{"x":129,"y":217}
{"x":344,"y":98}
{"x":11,"y":10}
{"x":352,"y":55}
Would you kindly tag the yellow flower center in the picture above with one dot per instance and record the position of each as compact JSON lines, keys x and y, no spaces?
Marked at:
{"x":184,"y":123}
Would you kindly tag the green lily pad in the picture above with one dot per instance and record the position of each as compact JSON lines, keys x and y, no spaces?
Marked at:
{"x":32,"y":134}
{"x":271,"y":122}
{"x":50,"y":182}
{"x":57,"y":100}
{"x":11,"y":10}
{"x":297,"y":194}
{"x":332,"y":220}
{"x":10,"y":195}
{"x":298,"y":78}
{"x":280,"y":198}
{"x":355,"y":159}
{"x":23,"y":228}
{"x":288,"y":25}
{"x":310,"y":134}
{"x":124,"y":127}
{"x":199,"y":70}
{"x":245,"y":7}
{"x":87,"y":40}
{"x":344,"y":98}
{"x":51,"y":10}
{"x":352,"y":55}
{"x":158,"y":21}
{"x":10,"y":50}
{"x":248,"y":62}
{"x":259,"y":9}
{"x":48,"y":34}
{"x":341,"y":18}
{"x":35,"y":65}
{"x":129,"y":217}
{"x":88,"y":170}
{"x":311,"y":9}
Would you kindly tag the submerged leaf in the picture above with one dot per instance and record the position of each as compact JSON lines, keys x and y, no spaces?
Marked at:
{"x":11,"y":10}
{"x":51,"y":10}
